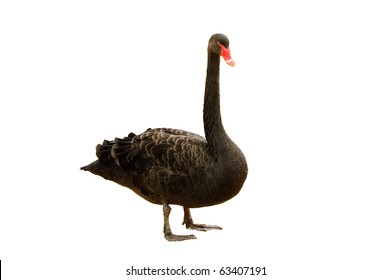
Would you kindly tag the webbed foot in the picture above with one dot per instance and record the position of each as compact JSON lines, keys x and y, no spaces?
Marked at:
{"x":188,"y":221}
{"x":168,"y":235}
{"x":201,"y":227}
{"x":173,"y":237}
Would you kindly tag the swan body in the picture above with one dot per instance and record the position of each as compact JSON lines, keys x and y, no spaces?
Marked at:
{"x":172,"y":166}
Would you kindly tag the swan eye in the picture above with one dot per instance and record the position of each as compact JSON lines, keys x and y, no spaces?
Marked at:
{"x":221,"y":46}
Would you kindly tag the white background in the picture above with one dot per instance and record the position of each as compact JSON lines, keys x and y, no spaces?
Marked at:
{"x":308,"y":102}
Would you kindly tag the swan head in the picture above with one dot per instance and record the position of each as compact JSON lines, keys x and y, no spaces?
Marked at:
{"x":219,"y":44}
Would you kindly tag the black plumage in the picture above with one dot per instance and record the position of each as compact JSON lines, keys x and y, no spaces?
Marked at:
{"x":171,"y":166}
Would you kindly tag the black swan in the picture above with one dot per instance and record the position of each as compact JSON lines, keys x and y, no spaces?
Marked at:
{"x":171,"y":166}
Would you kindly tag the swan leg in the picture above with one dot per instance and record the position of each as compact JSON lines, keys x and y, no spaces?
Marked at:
{"x":188,"y":221}
{"x":167,"y":229}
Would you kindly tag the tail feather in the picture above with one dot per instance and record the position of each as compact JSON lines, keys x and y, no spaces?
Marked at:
{"x":111,"y":155}
{"x":92,"y":167}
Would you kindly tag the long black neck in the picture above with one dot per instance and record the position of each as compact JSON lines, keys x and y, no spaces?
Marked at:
{"x":215,"y":134}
